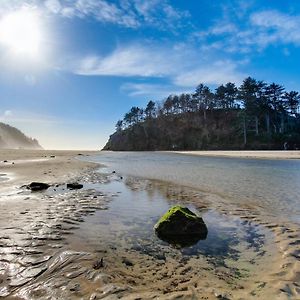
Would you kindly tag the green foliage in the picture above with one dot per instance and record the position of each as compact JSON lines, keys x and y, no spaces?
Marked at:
{"x":255,"y":115}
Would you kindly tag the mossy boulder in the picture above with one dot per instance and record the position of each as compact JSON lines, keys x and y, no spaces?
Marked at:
{"x":181,"y":226}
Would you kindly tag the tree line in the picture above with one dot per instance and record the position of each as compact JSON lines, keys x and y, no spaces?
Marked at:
{"x":260,"y":107}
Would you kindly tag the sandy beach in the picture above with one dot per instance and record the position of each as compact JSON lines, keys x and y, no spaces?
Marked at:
{"x":49,"y":246}
{"x":247,"y":154}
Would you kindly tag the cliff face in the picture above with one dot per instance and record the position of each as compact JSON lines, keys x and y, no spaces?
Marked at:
{"x":218,"y":130}
{"x":13,"y":138}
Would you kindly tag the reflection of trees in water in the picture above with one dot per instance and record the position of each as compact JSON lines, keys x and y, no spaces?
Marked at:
{"x":166,"y":190}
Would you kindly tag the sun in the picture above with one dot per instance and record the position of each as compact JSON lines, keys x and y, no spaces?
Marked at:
{"x":20,"y":32}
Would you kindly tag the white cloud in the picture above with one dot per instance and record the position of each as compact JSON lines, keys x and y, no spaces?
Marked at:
{"x":257,"y":31}
{"x":182,"y":65}
{"x":27,"y":117}
{"x":101,"y":10}
{"x":132,"y":14}
{"x":133,"y":60}
{"x":217,"y":73}
{"x":277,"y":27}
{"x":54,"y":6}
{"x":220,"y":28}
{"x":152,"y":90}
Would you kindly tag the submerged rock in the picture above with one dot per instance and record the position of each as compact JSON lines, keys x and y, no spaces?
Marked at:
{"x":181,"y":227}
{"x":37,"y":186}
{"x":74,"y":186}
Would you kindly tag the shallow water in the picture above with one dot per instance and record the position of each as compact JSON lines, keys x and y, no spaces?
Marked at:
{"x":3,"y":177}
{"x":137,"y":206}
{"x":271,"y":184}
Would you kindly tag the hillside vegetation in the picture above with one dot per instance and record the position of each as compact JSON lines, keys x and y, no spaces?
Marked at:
{"x":255,"y":115}
{"x":13,"y":138}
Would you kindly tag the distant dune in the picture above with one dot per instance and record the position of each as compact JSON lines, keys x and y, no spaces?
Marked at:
{"x":13,"y":138}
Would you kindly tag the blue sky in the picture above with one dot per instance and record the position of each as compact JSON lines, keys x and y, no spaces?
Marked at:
{"x":97,"y":58}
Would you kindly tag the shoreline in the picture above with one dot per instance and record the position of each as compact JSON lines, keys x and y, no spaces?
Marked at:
{"x":51,"y":216}
{"x":25,"y":166}
{"x":257,"y":154}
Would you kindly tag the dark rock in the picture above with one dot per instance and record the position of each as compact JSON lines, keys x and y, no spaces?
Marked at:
{"x":181,"y":227}
{"x":37,"y":186}
{"x":114,"y":172}
{"x":74,"y":186}
{"x":127,"y":262}
{"x":98,"y":264}
{"x":52,"y":156}
{"x":5,"y":161}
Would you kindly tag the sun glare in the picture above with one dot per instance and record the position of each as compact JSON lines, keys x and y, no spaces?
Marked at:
{"x":20,"y":32}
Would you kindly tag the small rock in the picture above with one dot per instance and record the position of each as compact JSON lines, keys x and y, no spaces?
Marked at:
{"x":127,"y":262}
{"x":74,"y":186}
{"x":98,"y":264}
{"x":37,"y":186}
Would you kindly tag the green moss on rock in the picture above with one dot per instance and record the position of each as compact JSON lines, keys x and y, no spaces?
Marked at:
{"x":181,"y":226}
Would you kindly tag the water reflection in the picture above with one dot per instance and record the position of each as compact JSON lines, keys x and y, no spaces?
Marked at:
{"x":129,"y":222}
{"x":271,"y":184}
{"x":181,"y":241}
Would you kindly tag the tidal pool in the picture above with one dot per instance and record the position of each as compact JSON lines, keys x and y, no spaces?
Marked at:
{"x":137,"y":205}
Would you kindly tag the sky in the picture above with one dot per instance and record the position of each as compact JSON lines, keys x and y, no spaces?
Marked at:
{"x":70,"y":69}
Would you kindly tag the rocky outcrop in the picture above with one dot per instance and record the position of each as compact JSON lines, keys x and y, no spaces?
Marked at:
{"x":180,"y":226}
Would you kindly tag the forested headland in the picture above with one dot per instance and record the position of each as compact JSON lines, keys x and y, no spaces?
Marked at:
{"x":255,"y":115}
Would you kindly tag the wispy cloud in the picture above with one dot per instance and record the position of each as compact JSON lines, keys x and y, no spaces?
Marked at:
{"x":158,"y":91}
{"x":277,"y":27}
{"x":132,"y":60}
{"x":131,"y":14}
{"x":16,"y":116}
{"x":258,"y":31}
{"x":182,"y":65}
{"x":218,"y":72}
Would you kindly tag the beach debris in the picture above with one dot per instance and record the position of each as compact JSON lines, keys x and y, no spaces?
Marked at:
{"x":37,"y":186}
{"x":98,"y":264}
{"x":127,"y":262}
{"x":5,"y":161}
{"x":181,"y":227}
{"x":74,"y":186}
{"x":52,"y":156}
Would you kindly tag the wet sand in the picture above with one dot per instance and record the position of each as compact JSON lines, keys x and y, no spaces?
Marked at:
{"x":247,"y":154}
{"x":46,"y":250}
